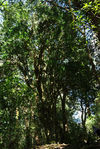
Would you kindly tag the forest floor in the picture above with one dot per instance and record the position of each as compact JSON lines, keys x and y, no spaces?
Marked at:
{"x":95,"y":145}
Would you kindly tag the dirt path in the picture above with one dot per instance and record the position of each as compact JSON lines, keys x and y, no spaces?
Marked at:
{"x":54,"y":146}
{"x":95,"y":145}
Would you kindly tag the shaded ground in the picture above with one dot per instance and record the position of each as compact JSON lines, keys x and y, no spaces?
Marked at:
{"x":95,"y":145}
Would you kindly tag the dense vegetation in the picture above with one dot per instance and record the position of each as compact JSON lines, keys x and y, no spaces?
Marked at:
{"x":49,"y":72}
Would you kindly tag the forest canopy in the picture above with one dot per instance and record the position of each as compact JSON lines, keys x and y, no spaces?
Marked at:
{"x":49,"y":72}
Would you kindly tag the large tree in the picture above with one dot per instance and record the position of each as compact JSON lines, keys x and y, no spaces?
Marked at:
{"x":47,"y":70}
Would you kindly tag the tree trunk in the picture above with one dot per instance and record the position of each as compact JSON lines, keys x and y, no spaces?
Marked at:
{"x":63,"y":116}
